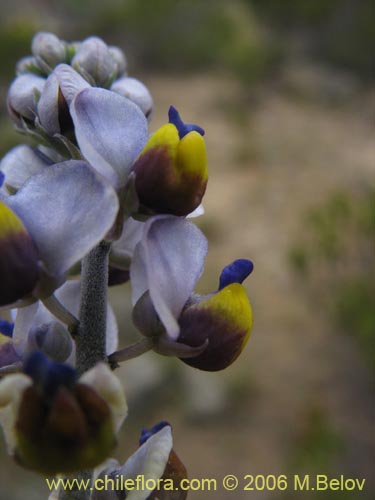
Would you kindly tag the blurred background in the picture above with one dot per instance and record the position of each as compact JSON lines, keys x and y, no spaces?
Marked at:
{"x":283,"y":90}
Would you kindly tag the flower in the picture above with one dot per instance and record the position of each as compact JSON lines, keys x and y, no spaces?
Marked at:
{"x":171,"y":171}
{"x":52,"y":221}
{"x":155,"y":462}
{"x":207,"y":332}
{"x":35,"y":328}
{"x":55,"y":422}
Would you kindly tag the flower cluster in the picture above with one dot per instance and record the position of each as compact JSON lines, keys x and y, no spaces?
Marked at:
{"x":98,"y":201}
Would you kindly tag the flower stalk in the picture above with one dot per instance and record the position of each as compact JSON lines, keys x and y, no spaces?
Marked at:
{"x":91,"y":336}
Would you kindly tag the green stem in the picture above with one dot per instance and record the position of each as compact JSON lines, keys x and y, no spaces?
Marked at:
{"x":91,"y":331}
{"x":91,"y":335}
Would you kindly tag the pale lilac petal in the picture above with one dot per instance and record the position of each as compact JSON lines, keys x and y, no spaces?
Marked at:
{"x":131,"y":235}
{"x":70,"y":82}
{"x":149,"y":461}
{"x":19,"y":164}
{"x":111,"y":132}
{"x":136,"y":91}
{"x":23,"y":321}
{"x":168,"y":262}
{"x":48,"y":106}
{"x":67,"y":209}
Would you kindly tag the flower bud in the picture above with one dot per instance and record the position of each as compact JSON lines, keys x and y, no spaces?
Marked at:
{"x":22,"y":97}
{"x":171,"y":171}
{"x":225,"y":319}
{"x":62,"y":425}
{"x":52,"y":339}
{"x":136,"y":91}
{"x":119,"y":58}
{"x":49,"y":48}
{"x":18,"y":258}
{"x":28,"y":64}
{"x":94,"y":62}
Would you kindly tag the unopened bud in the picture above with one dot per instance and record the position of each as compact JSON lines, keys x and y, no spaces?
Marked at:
{"x":23,"y":95}
{"x":119,"y":58}
{"x":49,"y":48}
{"x":94,"y":62}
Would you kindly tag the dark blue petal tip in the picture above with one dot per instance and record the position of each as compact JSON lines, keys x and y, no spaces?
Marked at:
{"x":2,"y":177}
{"x":183,"y":128}
{"x":6,"y":328}
{"x":236,"y":272}
{"x":147,"y":433}
{"x":48,"y":375}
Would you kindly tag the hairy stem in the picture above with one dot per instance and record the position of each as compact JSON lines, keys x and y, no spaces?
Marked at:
{"x":91,"y":335}
{"x":91,"y":331}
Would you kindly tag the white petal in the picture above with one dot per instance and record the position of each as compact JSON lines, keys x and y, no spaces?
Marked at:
{"x":168,"y":262}
{"x":67,"y":209}
{"x":108,"y":386}
{"x":149,"y":461}
{"x":20,"y":163}
{"x":111,"y":132}
{"x":197,"y":212}
{"x":11,"y":389}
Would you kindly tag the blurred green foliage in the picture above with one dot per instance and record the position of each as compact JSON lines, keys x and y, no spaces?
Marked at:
{"x":340,"y":32}
{"x":318,"y":443}
{"x":182,"y":35}
{"x":249,"y":37}
{"x":336,"y":261}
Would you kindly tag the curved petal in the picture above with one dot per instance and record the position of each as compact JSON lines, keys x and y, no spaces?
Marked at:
{"x":150,"y":461}
{"x":48,"y":106}
{"x":20,"y":163}
{"x":168,"y":262}
{"x":111,"y":131}
{"x":131,"y":235}
{"x":67,"y":210}
{"x":70,"y":82}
